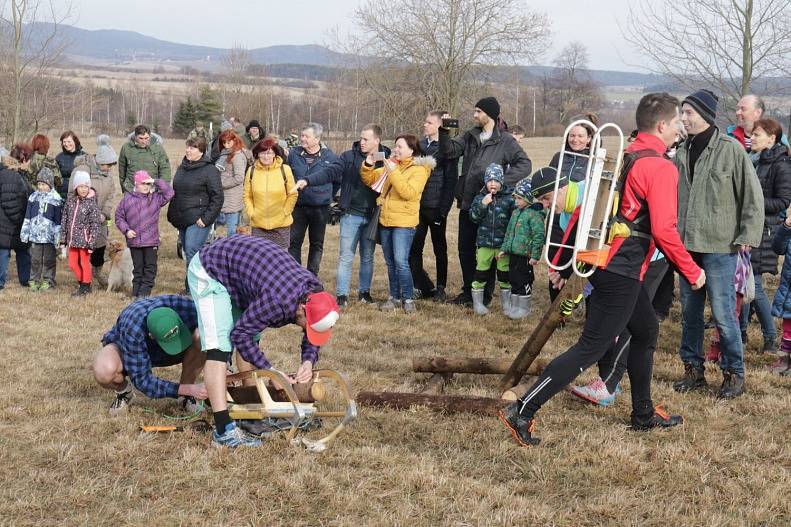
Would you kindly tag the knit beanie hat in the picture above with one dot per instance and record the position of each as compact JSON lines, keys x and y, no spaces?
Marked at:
{"x":522,"y":190}
{"x":225,"y":125}
{"x":45,"y":175}
{"x":105,"y":154}
{"x":543,"y":181}
{"x":80,"y":177}
{"x":494,"y":172}
{"x":705,"y":103}
{"x":490,"y":107}
{"x":255,"y":124}
{"x":142,"y":176}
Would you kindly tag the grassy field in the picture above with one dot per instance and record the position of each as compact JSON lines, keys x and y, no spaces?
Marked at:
{"x":66,"y":462}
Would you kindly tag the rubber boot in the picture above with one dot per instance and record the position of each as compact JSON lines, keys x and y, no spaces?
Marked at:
{"x":477,"y":302}
{"x":101,"y":281}
{"x":506,"y":301}
{"x":522,"y":308}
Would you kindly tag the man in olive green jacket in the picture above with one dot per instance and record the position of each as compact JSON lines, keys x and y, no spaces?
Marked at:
{"x":140,"y":154}
{"x":720,"y":213}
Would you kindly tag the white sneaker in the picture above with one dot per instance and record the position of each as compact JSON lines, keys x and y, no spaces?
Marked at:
{"x":189,"y":404}
{"x":595,"y":392}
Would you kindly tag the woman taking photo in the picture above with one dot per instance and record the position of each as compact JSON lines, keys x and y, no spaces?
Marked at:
{"x":577,"y":145}
{"x":268,"y":200}
{"x":231,"y":164}
{"x":774,"y":172}
{"x":72,"y":148}
{"x":197,"y":198}
{"x":404,"y":175}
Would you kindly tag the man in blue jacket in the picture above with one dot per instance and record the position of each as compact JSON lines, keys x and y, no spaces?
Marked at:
{"x":313,"y":206}
{"x":357,"y":202}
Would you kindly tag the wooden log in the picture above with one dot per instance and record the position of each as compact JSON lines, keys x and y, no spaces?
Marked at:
{"x":545,"y":328}
{"x":517,"y":391}
{"x":442,"y":403}
{"x":436,"y":383}
{"x":469,"y":365}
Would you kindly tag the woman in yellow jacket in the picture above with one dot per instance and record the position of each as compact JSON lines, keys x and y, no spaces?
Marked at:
{"x":268,"y":200}
{"x":405,"y":176}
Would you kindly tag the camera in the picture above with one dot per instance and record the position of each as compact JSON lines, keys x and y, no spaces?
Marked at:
{"x":450,"y":123}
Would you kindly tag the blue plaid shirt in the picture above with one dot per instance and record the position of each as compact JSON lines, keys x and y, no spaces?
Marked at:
{"x":130,"y":334}
{"x":266,"y":283}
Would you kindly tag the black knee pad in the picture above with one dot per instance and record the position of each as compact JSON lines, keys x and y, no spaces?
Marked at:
{"x":217,"y":355}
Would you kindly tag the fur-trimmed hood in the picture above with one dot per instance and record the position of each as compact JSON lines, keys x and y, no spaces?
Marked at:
{"x":425,"y":161}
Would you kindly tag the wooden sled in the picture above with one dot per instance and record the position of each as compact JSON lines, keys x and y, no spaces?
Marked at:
{"x":262,"y":401}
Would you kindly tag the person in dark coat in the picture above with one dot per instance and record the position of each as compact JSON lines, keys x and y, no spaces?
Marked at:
{"x":773,"y":167}
{"x":479,"y":147}
{"x":197,"y":198}
{"x":14,"y":192}
{"x":72,"y":148}
{"x":435,"y":205}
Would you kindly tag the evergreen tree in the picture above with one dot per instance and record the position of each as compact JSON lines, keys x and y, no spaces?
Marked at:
{"x":208,"y":109}
{"x":184,"y":120}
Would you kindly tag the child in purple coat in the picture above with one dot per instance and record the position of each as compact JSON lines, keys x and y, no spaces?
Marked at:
{"x":137,"y":217}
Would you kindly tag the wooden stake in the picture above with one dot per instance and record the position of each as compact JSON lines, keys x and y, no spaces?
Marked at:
{"x":545,"y":328}
{"x":436,"y":383}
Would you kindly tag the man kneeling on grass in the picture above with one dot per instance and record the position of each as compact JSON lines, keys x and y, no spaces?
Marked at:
{"x":646,"y":219}
{"x":153,"y":332}
{"x":271,"y":290}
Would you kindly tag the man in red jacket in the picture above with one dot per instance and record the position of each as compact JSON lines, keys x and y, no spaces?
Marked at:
{"x":648,"y":207}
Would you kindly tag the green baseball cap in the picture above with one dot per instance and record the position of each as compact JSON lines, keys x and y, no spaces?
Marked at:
{"x":170,"y":332}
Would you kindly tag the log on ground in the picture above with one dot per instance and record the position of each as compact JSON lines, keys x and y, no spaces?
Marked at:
{"x":442,"y":403}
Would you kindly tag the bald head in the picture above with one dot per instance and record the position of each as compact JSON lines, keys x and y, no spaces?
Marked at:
{"x":750,"y":109}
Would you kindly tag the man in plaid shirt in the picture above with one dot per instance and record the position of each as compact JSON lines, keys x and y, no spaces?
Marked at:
{"x":152,"y":332}
{"x":262,"y":281}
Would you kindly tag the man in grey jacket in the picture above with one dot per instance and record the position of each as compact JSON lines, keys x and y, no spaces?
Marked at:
{"x":480,"y":146}
{"x":720,"y":212}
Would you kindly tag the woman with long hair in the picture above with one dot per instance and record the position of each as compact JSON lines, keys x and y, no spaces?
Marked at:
{"x":232,"y":164}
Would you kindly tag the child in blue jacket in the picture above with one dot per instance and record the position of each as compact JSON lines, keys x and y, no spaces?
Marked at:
{"x":41,"y":228}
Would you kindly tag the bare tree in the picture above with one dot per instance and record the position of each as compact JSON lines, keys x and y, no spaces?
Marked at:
{"x":727,"y":45}
{"x":569,"y":90}
{"x":32,"y":42}
{"x":438,"y":45}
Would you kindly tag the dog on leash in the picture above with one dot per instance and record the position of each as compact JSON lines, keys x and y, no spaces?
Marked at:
{"x":120,"y":274}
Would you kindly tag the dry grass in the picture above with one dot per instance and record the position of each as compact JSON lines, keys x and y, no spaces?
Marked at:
{"x":67,"y":463}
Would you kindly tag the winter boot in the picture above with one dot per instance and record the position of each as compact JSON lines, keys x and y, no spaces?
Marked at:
{"x":770,"y":346}
{"x":781,"y":365}
{"x":521,"y":307}
{"x":732,"y":385}
{"x":506,"y":301}
{"x":101,"y":281}
{"x":694,"y":379}
{"x":477,"y":302}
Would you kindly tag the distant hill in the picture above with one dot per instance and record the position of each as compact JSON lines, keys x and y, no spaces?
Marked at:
{"x":116,"y":46}
{"x":120,"y":46}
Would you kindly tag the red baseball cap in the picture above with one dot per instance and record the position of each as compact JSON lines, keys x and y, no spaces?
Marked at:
{"x":322,"y":313}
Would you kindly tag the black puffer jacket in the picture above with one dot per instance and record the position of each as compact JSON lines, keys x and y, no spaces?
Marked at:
{"x":65,"y":161}
{"x":14,"y":192}
{"x":441,"y":185}
{"x":500,"y":148}
{"x":574,"y":167}
{"x":198,"y":194}
{"x":774,"y":173}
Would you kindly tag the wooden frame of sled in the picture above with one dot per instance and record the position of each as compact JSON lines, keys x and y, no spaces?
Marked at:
{"x":258,"y":402}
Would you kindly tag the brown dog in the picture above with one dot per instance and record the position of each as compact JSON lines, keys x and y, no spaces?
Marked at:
{"x":120,"y":274}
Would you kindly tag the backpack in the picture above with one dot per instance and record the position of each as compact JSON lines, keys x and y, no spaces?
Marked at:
{"x":250,"y":173}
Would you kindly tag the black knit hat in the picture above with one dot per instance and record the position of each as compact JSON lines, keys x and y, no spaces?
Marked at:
{"x":255,"y":124}
{"x":490,"y":107}
{"x":705,"y":103}
{"x":543,"y":181}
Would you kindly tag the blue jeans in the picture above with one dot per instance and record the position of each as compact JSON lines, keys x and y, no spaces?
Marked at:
{"x":192,"y":239}
{"x":23,"y":264}
{"x":230,"y":220}
{"x":396,"y":245}
{"x":352,"y":228}
{"x":763,"y":308}
{"x":720,"y":270}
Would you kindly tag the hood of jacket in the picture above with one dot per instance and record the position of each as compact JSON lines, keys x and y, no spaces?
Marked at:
{"x":770,"y":155}
{"x":11,"y":163}
{"x":188,"y":165}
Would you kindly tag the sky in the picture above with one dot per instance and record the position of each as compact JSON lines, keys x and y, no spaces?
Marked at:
{"x":254,"y":24}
